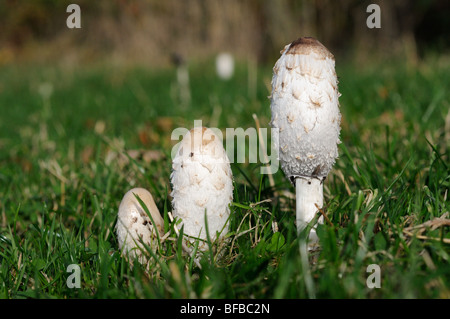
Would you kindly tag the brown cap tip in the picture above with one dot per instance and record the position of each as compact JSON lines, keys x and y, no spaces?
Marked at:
{"x":306,"y":45}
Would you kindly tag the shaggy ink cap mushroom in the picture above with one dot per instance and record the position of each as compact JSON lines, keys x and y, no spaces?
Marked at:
{"x":305,"y":110}
{"x":134,"y":227}
{"x":202,"y":183}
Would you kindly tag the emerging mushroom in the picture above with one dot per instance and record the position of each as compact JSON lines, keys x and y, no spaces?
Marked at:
{"x":134,"y":227}
{"x":305,"y":109}
{"x":202,"y":184}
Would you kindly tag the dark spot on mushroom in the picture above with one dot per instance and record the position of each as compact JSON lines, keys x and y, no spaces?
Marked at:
{"x":275,"y":68}
{"x":306,"y":45}
{"x":316,"y":104}
{"x":206,"y":140}
{"x":134,"y":220}
{"x":316,"y":170}
{"x":192,"y":154}
{"x":304,"y":40}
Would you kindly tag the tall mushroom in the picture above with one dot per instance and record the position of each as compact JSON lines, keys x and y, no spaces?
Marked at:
{"x":305,"y":110}
{"x":202,"y":184}
{"x":134,"y":227}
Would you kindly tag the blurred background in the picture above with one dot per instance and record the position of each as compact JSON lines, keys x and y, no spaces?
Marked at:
{"x":86,"y":114}
{"x":151,"y":32}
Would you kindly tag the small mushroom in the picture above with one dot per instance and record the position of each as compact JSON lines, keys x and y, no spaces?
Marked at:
{"x":202,"y":184}
{"x":134,"y":227}
{"x":225,"y":66}
{"x":305,"y":109}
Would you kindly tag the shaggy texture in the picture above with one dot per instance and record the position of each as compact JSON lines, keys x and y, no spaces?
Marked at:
{"x":202,"y":183}
{"x":305,"y":109}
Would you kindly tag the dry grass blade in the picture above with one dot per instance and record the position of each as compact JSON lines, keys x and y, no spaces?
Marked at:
{"x":342,"y":178}
{"x":324,"y":215}
{"x":435,"y":223}
{"x":410,"y":234}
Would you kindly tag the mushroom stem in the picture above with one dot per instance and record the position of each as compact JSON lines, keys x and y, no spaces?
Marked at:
{"x":309,"y":193}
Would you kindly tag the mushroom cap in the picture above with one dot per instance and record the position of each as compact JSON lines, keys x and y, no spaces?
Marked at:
{"x":202,"y":182}
{"x":225,"y":66}
{"x":134,"y":226}
{"x":305,"y":109}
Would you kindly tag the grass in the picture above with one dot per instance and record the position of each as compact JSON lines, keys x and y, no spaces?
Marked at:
{"x":72,"y":142}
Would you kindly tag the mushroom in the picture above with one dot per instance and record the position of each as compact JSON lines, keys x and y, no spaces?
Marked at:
{"x":305,"y":110}
{"x":225,"y":65}
{"x":135,"y":228}
{"x":202,"y":184}
{"x":182,"y":86}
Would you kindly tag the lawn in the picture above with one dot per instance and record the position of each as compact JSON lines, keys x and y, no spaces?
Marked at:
{"x":74,"y":141}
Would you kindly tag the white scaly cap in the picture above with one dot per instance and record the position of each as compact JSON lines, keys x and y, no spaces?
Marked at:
{"x":202,"y":182}
{"x":305,"y":109}
{"x":134,"y":228}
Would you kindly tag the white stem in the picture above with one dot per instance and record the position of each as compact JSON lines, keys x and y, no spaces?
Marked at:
{"x":309,"y":193}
